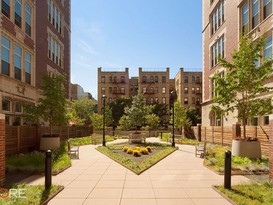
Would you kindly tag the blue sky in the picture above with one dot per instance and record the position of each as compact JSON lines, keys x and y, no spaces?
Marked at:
{"x":152,"y":34}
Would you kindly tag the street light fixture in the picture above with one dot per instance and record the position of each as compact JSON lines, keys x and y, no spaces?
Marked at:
{"x":103,"y":120}
{"x":173,"y":99}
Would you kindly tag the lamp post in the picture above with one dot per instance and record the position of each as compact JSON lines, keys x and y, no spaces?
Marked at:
{"x":173,"y":98}
{"x":103,"y":120}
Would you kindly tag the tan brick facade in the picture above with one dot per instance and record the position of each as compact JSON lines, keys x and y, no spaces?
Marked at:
{"x":270,"y":151}
{"x":230,"y":29}
{"x":2,"y":149}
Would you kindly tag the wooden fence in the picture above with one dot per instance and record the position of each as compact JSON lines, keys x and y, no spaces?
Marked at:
{"x":223,"y":135}
{"x":21,"y":139}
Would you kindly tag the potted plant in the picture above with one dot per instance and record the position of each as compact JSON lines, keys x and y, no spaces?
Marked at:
{"x":51,"y":109}
{"x":238,"y":89}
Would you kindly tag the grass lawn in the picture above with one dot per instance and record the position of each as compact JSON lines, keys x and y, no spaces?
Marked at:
{"x":250,"y":194}
{"x":241,"y":165}
{"x":35,"y":161}
{"x":140,"y":162}
{"x":88,"y":140}
{"x":33,"y":195}
{"x":166,"y":137}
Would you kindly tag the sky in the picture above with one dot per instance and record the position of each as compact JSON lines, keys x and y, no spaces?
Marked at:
{"x":152,"y":34}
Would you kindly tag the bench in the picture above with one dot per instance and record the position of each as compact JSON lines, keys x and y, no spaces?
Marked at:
{"x":73,"y":151}
{"x":177,"y":138}
{"x":137,"y":138}
{"x":200,"y":149}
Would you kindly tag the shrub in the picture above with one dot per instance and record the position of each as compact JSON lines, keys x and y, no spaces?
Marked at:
{"x":130,"y":151}
{"x":125,"y":148}
{"x":137,"y":148}
{"x":144,"y":150}
{"x":149,"y":149}
{"x":136,"y":153}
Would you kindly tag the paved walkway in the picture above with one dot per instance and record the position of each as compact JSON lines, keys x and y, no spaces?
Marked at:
{"x":178,"y":179}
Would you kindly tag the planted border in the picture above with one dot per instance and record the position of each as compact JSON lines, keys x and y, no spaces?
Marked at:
{"x":138,"y":167}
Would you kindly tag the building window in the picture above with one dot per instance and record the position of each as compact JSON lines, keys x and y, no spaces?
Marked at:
{"x":102,"y":79}
{"x":198,"y":79}
{"x":193,"y":90}
{"x":268,"y":48}
{"x":54,"y":16}
{"x":186,"y":79}
{"x":5,"y":56}
{"x":193,"y":79}
{"x":110,"y":100}
{"x":163,"y":89}
{"x":198,"y":101}
{"x":186,"y":101}
{"x":6,"y":8}
{"x":156,"y":90}
{"x":152,"y":100}
{"x":27,"y":68}
{"x":110,"y":79}
{"x":6,"y":105}
{"x":18,"y":107}
{"x":163,"y":79}
{"x":156,"y":99}
{"x":17,"y":62}
{"x":245,"y":20}
{"x":156,"y":79}
{"x":18,"y":12}
{"x":267,"y":8}
{"x":198,"y":90}
{"x":217,"y":50}
{"x":122,"y":90}
{"x":217,"y":17}
{"x":151,"y":79}
{"x":186,"y":90}
{"x":102,"y":90}
{"x":144,"y":90}
{"x":255,"y":13}
{"x":110,"y":89}
{"x":122,"y":79}
{"x":28,"y":19}
{"x":193,"y":100}
{"x":144,"y":79}
{"x":54,"y":51}
{"x":266,"y":120}
{"x":254,"y":121}
{"x":164,"y":100}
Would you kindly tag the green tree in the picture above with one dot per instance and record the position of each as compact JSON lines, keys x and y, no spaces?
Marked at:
{"x":152,"y":122}
{"x":52,"y":105}
{"x":194,"y":115}
{"x":118,"y":108}
{"x":82,"y":110}
{"x":180,"y":116}
{"x":137,"y":112}
{"x":243,"y":81}
{"x":97,"y":119}
{"x":124,"y":123}
{"x":160,"y":110}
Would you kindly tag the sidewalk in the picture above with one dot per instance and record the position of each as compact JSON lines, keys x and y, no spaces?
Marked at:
{"x":178,"y":179}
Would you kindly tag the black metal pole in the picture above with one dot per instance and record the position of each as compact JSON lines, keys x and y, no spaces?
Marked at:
{"x":103,"y":129}
{"x":173,"y":143}
{"x":48,"y":169}
{"x":227,"y":177}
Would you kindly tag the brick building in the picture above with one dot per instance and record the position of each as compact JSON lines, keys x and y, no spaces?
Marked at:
{"x":29,"y":32}
{"x":223,"y":24}
{"x":155,"y":85}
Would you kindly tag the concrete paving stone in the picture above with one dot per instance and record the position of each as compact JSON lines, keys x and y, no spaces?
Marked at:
{"x":93,"y":172}
{"x":138,"y":184}
{"x":138,"y":202}
{"x":57,"y":201}
{"x":202,"y":193}
{"x":175,"y":202}
{"x":110,"y":184}
{"x":167,"y":184}
{"x":170,"y":194}
{"x":134,"y":177}
{"x":101,"y":202}
{"x":200,"y":177}
{"x":165,"y":177}
{"x":115,"y":172}
{"x":105,"y":193}
{"x":82,"y":184}
{"x":109,"y":177}
{"x":211,"y":202}
{"x":70,"y":193}
{"x":139,"y":193}
{"x":88,"y":177}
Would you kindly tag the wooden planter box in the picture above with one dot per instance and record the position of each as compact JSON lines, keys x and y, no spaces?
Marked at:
{"x":250,"y":149}
{"x":49,"y":143}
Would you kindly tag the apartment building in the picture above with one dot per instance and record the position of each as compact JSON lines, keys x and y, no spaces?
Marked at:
{"x":77,"y":92}
{"x":155,"y":85}
{"x":25,"y":51}
{"x":188,"y":86}
{"x":223,"y":24}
